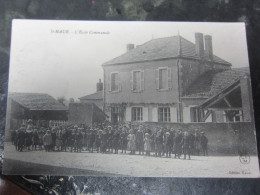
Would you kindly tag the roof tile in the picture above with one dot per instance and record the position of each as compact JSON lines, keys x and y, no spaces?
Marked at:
{"x":37,"y":101}
{"x":160,"y":48}
{"x":212,"y":82}
{"x":95,"y":96}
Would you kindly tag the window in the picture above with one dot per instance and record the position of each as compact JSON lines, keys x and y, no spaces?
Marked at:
{"x":115,"y":114}
{"x":115,"y":110}
{"x":137,"y":114}
{"x":164,"y":114}
{"x":163,"y":78}
{"x":114,"y":82}
{"x":193,"y":114}
{"x":137,"y":81}
{"x":233,"y":115}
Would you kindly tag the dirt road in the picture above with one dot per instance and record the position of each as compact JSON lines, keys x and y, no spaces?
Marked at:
{"x":130,"y":165}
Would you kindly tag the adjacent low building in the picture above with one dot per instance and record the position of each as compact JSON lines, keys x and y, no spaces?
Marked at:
{"x":41,"y":108}
{"x":85,"y":113}
{"x":96,"y":98}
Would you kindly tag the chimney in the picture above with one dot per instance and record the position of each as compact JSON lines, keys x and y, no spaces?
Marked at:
{"x":130,"y":47}
{"x":99,"y":86}
{"x":199,"y":45}
{"x":208,"y":47}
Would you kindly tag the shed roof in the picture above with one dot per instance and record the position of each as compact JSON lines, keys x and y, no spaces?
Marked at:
{"x":36,"y":101}
{"x":161,"y":48}
{"x":212,"y":82}
{"x":95,"y":96}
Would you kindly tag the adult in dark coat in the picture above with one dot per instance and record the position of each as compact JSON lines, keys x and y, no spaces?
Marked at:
{"x":104,"y":141}
{"x":78,"y":141}
{"x":64,"y":140}
{"x":186,"y":144}
{"x":197,"y":145}
{"x":116,"y":141}
{"x":53,"y":136}
{"x":167,"y":142}
{"x":204,"y":144}
{"x":192,"y":142}
{"x":41,"y":133}
{"x":47,"y":141}
{"x":28,"y":138}
{"x":139,"y":141}
{"x":152,"y":137}
{"x":110,"y":135}
{"x":178,"y":144}
{"x":98,"y":140}
{"x":21,"y":139}
{"x":91,"y":140}
{"x":58,"y":143}
{"x":123,"y":140}
{"x":172,"y":139}
{"x":70,"y":138}
{"x":16,"y":139}
{"x":158,"y":144}
{"x":35,"y":139}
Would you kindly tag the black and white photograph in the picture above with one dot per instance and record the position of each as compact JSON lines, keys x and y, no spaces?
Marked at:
{"x":137,"y":99}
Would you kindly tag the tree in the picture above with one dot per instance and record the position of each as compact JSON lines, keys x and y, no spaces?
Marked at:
{"x":61,"y":100}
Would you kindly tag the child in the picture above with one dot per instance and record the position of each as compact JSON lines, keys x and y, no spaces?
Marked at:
{"x":147,"y":144}
{"x":131,"y":142}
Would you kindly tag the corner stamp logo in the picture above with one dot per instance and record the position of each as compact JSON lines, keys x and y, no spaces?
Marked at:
{"x":244,"y":159}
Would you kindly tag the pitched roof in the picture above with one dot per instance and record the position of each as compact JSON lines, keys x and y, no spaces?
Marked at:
{"x":95,"y":96}
{"x":161,"y":48}
{"x":212,"y":82}
{"x":36,"y":101}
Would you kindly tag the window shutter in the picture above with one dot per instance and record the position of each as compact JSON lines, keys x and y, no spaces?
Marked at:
{"x":109,"y":81}
{"x":119,"y":83}
{"x":157,"y":78}
{"x":132,"y":81}
{"x":128,"y":114}
{"x":142,"y":80}
{"x":169,"y":78}
{"x":155,"y":114}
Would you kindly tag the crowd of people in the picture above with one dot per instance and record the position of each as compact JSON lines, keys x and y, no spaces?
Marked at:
{"x":106,"y":138}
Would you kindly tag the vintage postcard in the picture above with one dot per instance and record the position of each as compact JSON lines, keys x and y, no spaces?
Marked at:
{"x":141,"y":99}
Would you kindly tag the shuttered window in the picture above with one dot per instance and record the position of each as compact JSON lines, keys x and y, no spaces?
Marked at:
{"x":164,"y":114}
{"x":115,"y":85}
{"x":163,"y":78}
{"x":137,"y":113}
{"x":137,"y":81}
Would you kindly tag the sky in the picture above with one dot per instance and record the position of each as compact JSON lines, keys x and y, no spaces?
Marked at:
{"x":64,"y":58}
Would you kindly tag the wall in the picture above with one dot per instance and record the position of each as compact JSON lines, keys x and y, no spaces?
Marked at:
{"x":221,"y":136}
{"x":98,"y":115}
{"x":150,"y":94}
{"x":80,"y":113}
{"x":189,"y":72}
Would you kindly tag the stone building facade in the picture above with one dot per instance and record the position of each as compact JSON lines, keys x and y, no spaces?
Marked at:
{"x":162,"y":81}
